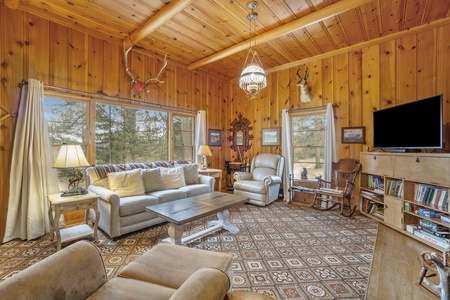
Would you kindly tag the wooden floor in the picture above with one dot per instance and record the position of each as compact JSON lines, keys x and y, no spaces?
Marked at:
{"x":395,"y":267}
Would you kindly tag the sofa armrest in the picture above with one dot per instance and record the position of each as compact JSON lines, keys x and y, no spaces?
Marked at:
{"x":204,"y":284}
{"x":242,"y":176}
{"x":74,"y":272}
{"x":209,"y":180}
{"x":105,"y":194}
{"x":270,"y":180}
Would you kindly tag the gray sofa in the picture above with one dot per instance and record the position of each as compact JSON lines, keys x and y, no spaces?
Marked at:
{"x":164,"y":272}
{"x":125,"y":190}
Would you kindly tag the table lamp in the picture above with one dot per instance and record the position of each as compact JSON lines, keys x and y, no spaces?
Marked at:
{"x":72,"y":157}
{"x":204,"y":151}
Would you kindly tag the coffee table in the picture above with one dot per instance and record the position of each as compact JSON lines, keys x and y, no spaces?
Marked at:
{"x":186,"y":210}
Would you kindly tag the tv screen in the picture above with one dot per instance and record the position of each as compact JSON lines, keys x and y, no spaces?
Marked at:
{"x":413,"y":125}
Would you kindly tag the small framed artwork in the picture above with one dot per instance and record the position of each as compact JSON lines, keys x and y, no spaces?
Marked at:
{"x":353,"y":135}
{"x":215,"y":137}
{"x":271,"y":136}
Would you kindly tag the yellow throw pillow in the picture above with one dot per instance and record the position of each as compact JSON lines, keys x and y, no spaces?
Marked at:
{"x":126,"y":183}
{"x":173,"y":177}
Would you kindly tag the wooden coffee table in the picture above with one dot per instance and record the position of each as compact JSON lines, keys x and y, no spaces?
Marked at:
{"x":186,"y":210}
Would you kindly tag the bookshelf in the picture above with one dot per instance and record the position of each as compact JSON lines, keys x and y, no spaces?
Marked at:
{"x":408,"y":192}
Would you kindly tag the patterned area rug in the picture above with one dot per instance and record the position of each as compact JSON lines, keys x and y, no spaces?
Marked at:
{"x":285,"y":251}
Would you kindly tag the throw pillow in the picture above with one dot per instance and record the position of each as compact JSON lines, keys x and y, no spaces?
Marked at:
{"x":190,"y":174}
{"x":152,"y":180}
{"x":126,"y":183}
{"x":173,"y":177}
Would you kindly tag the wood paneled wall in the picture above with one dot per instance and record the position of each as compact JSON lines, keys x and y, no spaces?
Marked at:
{"x":411,"y":66}
{"x":32,"y":47}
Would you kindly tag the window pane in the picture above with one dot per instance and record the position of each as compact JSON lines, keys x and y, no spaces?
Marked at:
{"x":66,"y":121}
{"x":308,"y":144}
{"x":127,"y":135}
{"x":183,"y":142}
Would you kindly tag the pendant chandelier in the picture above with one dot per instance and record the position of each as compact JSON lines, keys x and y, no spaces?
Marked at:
{"x":253,"y":77}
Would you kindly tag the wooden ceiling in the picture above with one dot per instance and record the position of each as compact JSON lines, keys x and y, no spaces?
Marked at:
{"x":214,"y":35}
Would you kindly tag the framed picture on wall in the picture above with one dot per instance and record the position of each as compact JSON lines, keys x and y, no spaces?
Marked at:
{"x":271,"y":136}
{"x":353,"y":135}
{"x":215,"y":137}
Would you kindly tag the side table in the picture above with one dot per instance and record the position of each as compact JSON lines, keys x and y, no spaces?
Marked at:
{"x":59,"y":205}
{"x":216,"y":173}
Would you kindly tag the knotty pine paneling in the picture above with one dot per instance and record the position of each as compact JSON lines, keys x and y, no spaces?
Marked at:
{"x":32,"y":47}
{"x":408,"y":68}
{"x":377,"y":76}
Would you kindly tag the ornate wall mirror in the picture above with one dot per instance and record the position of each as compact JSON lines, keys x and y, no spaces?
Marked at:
{"x":240,"y":136}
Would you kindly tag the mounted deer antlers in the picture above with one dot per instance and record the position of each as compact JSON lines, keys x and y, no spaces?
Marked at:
{"x":305,"y":91}
{"x":137,"y":84}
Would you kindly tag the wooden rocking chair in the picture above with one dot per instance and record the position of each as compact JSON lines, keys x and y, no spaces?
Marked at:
{"x":338,"y":191}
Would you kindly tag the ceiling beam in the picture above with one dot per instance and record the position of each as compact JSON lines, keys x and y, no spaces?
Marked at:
{"x":13,"y":4}
{"x":311,"y":18}
{"x":162,"y":16}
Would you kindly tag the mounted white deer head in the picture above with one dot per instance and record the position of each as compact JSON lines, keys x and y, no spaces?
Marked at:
{"x":137,"y":84}
{"x":305,"y":91}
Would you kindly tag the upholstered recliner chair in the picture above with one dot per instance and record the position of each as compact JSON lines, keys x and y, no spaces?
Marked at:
{"x":262,"y":184}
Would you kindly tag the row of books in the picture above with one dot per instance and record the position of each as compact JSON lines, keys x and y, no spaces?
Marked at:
{"x":431,"y":195}
{"x":375,"y":183}
{"x":370,"y":195}
{"x":395,"y":188}
{"x":420,"y":232}
{"x":373,"y":208}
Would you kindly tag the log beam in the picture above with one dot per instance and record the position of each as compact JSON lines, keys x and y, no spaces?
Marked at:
{"x":312,"y":18}
{"x":13,"y":4}
{"x":164,"y":15}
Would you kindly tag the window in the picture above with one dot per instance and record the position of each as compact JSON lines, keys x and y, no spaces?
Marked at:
{"x":123,"y":134}
{"x":183,"y":137}
{"x":67,"y":121}
{"x":127,"y":134}
{"x":308,"y":143}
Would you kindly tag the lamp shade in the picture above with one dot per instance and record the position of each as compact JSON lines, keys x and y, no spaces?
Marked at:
{"x":204,"y":150}
{"x":70,"y":156}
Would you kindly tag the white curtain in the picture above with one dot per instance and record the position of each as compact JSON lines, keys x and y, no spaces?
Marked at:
{"x":286,"y":151}
{"x":200,"y":133}
{"x":330,"y":142}
{"x":32,"y":177}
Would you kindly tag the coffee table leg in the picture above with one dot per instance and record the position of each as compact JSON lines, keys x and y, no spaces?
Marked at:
{"x":175,"y":233}
{"x":224,"y":221}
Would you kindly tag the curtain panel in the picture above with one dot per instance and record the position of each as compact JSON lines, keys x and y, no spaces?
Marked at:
{"x":32,"y":177}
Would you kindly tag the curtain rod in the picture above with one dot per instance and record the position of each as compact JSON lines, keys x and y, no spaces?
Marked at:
{"x":308,"y":108}
{"x":162,"y":106}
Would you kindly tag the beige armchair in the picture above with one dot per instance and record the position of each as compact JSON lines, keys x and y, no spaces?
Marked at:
{"x":262,"y":184}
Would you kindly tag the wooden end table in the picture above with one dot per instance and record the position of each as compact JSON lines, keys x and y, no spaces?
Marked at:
{"x":60,"y":205}
{"x":216,"y":173}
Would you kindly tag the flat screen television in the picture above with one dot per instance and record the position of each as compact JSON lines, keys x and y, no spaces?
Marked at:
{"x":413,"y":125}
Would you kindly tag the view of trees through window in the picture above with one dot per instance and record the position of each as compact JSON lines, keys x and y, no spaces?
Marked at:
{"x":308,"y":144}
{"x":123,"y":134}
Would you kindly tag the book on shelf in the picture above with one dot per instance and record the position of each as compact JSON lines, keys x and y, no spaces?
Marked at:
{"x":442,"y":234}
{"x":431,"y":238}
{"x":429,"y":213}
{"x":445,"y":219}
{"x":375,"y":183}
{"x":395,"y":188}
{"x":431,"y":195}
{"x":433,"y":226}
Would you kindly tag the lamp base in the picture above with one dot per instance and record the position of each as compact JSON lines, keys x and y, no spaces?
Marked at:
{"x":74,"y":192}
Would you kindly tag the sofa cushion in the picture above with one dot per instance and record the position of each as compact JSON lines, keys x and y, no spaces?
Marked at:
{"x":157,"y":265}
{"x":190,"y":174}
{"x":153,"y":180}
{"x":126,"y":183}
{"x":135,"y":204}
{"x":173,"y":177}
{"x":125,"y":288}
{"x":168,"y":195}
{"x":196,"y":189}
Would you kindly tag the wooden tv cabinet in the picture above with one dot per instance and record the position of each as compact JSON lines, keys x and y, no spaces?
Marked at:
{"x":392,"y":187}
